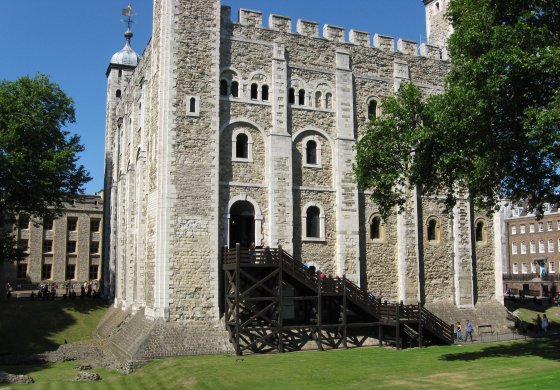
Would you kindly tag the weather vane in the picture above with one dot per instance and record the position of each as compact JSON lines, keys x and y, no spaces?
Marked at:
{"x":129,"y":14}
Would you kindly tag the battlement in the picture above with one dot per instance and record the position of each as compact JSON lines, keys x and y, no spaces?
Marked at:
{"x":251,"y":18}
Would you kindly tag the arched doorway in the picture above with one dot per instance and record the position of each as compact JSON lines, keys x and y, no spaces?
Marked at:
{"x":241,"y":224}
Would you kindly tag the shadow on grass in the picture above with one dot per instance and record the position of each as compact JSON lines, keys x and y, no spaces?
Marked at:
{"x":545,"y":347}
{"x":29,"y":327}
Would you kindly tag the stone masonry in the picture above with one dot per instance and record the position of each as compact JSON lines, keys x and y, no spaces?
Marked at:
{"x":230,"y":132}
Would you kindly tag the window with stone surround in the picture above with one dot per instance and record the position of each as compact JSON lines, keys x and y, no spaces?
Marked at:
{"x":523,"y":248}
{"x":376,"y":228}
{"x":541,"y":227}
{"x":94,"y":247}
{"x":70,"y":271}
{"x":532,"y":247}
{"x":481,"y":232}
{"x":522,"y":229}
{"x":372,"y":108}
{"x":292,"y":96}
{"x":72,"y":224}
{"x":433,"y":230}
{"x":541,"y":246}
{"x":23,"y":221}
{"x":254,"y":91}
{"x":524,"y":268}
{"x":328,"y":101}
{"x":550,"y":246}
{"x":47,"y":246}
{"x":312,"y":152}
{"x":533,"y":268}
{"x":513,"y":230}
{"x":313,"y":222}
{"x":318,"y":99}
{"x":94,"y":225}
{"x":514,"y":248}
{"x":46,"y":271}
{"x":234,"y":89}
{"x":549,"y":226}
{"x":531,"y":228}
{"x":265,"y":93}
{"x":48,"y":223}
{"x":242,"y":146}
{"x":71,"y":247}
{"x":558,"y":225}
{"x":301,"y":97}
{"x":93,"y":272}
{"x":515,"y":268}
{"x":551,"y":267}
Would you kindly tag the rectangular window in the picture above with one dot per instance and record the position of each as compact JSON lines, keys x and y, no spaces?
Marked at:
{"x":94,"y":247}
{"x":522,"y":229}
{"x":513,"y":230}
{"x":93,"y":272}
{"x":523,"y":248}
{"x":48,"y":223}
{"x":550,"y":246}
{"x":531,"y":228}
{"x":524,"y":268}
{"x":549,"y":226}
{"x":514,"y":248}
{"x":94,"y":225}
{"x":558,"y":225}
{"x":22,"y":271}
{"x":71,"y":247}
{"x":72,"y":224}
{"x":23,"y":221}
{"x":23,"y":244}
{"x":541,"y":227}
{"x":533,"y":247}
{"x":533,"y":268}
{"x":541,"y":246}
{"x":551,"y":267}
{"x":46,"y":272}
{"x":70,"y":271}
{"x":47,"y":246}
{"x":515,"y":268}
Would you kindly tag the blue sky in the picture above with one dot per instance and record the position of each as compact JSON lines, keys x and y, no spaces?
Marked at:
{"x":72,"y":41}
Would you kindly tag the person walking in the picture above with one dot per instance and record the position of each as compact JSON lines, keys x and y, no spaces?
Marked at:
{"x":468,"y":330}
{"x":458,"y":332}
{"x":544,"y":324}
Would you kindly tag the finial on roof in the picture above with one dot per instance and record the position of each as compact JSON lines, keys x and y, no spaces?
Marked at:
{"x":126,"y":56}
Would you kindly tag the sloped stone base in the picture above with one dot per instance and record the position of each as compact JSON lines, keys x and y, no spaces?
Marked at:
{"x":484,"y":313}
{"x":135,"y":339}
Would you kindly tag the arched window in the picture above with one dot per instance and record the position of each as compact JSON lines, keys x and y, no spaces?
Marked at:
{"x":242,"y":146}
{"x":118,"y":94}
{"x":192,"y":105}
{"x":223,"y":88}
{"x":291,"y":96}
{"x":318,"y":99}
{"x":311,"y":153}
{"x":120,"y":73}
{"x":265,"y":93}
{"x":254,"y":91}
{"x":235,"y":89}
{"x":433,"y":230}
{"x":328,"y":101}
{"x":313,"y":223}
{"x":376,"y":228}
{"x":301,"y":97}
{"x":372,"y":109}
{"x":480,"y":233}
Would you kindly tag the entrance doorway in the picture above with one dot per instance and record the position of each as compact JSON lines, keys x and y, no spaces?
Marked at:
{"x":241,"y":224}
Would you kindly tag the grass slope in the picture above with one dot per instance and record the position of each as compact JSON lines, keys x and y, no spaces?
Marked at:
{"x":28,"y":327}
{"x":516,"y":365}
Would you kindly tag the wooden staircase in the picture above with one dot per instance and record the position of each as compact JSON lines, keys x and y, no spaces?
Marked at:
{"x":272,"y":303}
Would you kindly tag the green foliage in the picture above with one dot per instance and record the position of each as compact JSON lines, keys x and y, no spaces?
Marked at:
{"x":496,"y":130}
{"x":38,"y":156}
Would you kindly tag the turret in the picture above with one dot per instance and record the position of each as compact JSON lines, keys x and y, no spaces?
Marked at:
{"x":438,"y":26}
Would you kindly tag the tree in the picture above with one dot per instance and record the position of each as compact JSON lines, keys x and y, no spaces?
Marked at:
{"x":496,"y":130}
{"x":38,"y":157}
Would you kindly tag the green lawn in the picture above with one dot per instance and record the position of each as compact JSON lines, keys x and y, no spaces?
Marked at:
{"x":28,"y":327}
{"x":529,"y":314}
{"x":515,"y":365}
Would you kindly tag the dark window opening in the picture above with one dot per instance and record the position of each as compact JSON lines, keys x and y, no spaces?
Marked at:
{"x":93,"y":272}
{"x":265,"y":93}
{"x":192,"y":105}
{"x":375,"y":229}
{"x":301,"y":97}
{"x":120,"y":73}
{"x":235,"y":89}
{"x":48,"y":223}
{"x":254,"y":91}
{"x":22,"y":271}
{"x":46,"y":271}
{"x":311,"y":152}
{"x":372,"y":109}
{"x":318,"y":99}
{"x":71,"y":247}
{"x":70,"y":271}
{"x":432,"y":230}
{"x":242,"y":146}
{"x":328,"y":101}
{"x":313,"y":222}
{"x":23,"y":222}
{"x":94,"y":225}
{"x":479,"y":234}
{"x":72,"y":224}
{"x":291,"y":96}
{"x":47,"y":246}
{"x":223,"y":88}
{"x":118,"y":94}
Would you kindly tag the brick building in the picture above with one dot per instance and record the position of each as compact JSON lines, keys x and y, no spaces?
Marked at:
{"x":67,"y":248}
{"x":533,"y":251}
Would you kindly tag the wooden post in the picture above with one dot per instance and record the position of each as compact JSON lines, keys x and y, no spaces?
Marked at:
{"x":420,"y":325}
{"x":344,"y":313}
{"x":280,"y":300}
{"x":398,"y":325}
{"x":237,"y":287}
{"x":319,"y":313}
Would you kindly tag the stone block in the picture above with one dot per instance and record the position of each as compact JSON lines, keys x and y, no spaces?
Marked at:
{"x":360,"y":38}
{"x":333,"y":33}
{"x":407,"y":47}
{"x":280,"y":23}
{"x":250,"y":18}
{"x":307,"y":28}
{"x":384,"y":42}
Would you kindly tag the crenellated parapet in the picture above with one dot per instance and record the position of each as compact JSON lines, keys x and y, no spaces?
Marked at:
{"x":306,"y":28}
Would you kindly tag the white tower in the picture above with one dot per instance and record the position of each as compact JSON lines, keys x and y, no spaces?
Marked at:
{"x":438,"y":26}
